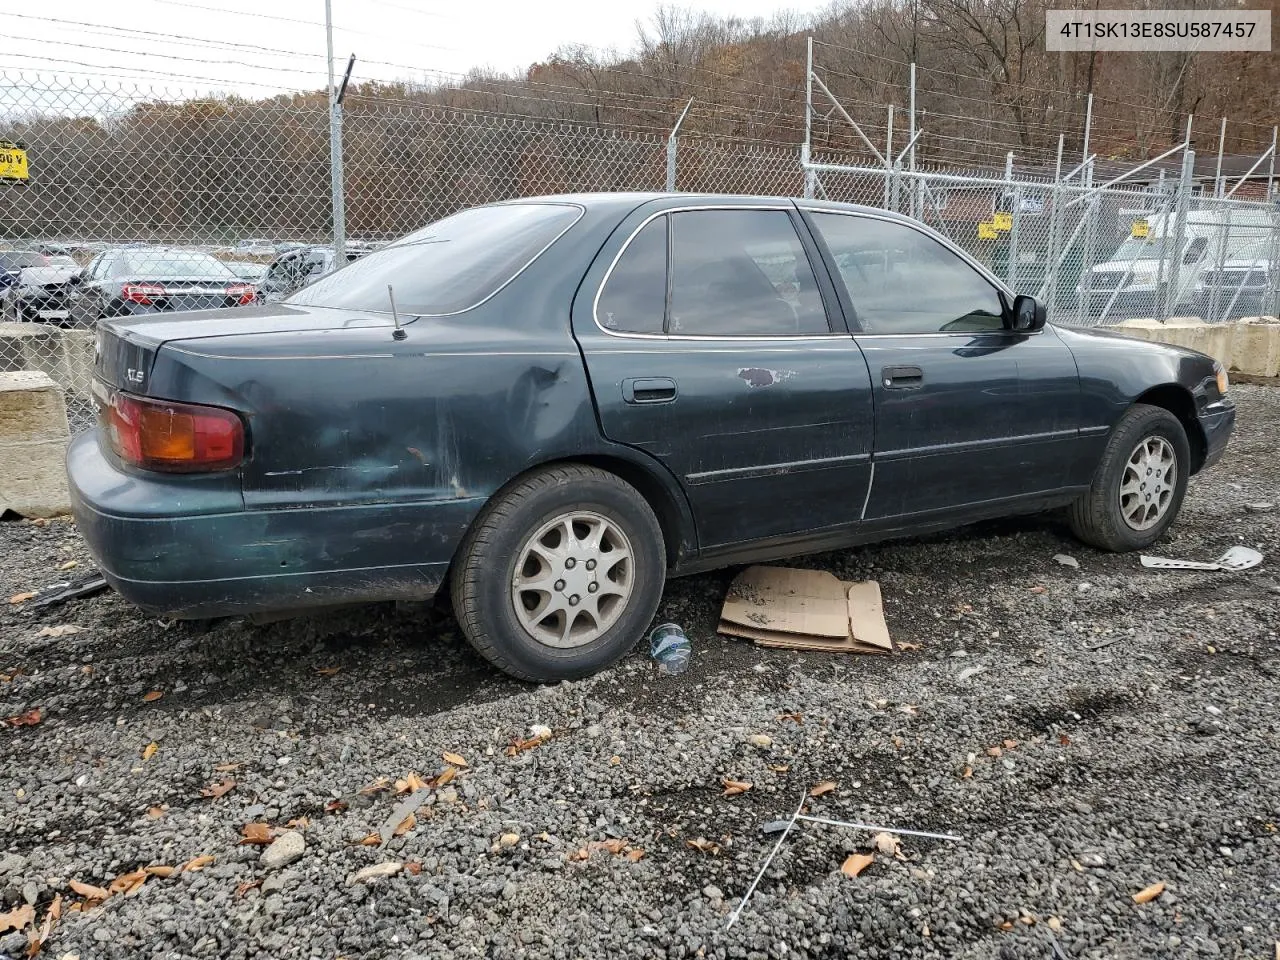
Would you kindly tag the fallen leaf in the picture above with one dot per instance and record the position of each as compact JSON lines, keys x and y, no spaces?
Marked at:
{"x":21,"y":597}
{"x":198,"y":863}
{"x":372,"y":840}
{"x":376,"y":872}
{"x":994,"y":752}
{"x":216,"y":790}
{"x":129,"y":883}
{"x":908,"y":646}
{"x":328,"y":671}
{"x":28,"y":719}
{"x":1147,"y":894}
{"x":540,"y":732}
{"x":69,"y":565}
{"x":1010,"y":744}
{"x":1064,"y":740}
{"x":65,"y":630}
{"x":227,"y":767}
{"x":734,"y":787}
{"x":299,"y":823}
{"x":410,"y":784}
{"x":335,"y":806}
{"x":779,"y":767}
{"x":161,"y":871}
{"x":856,"y":863}
{"x":889,"y":845}
{"x":454,"y":758}
{"x":1039,"y":589}
{"x":245,"y":886}
{"x":448,"y":774}
{"x":88,"y":890}
{"x":826,"y":786}
{"x":155,"y":812}
{"x":520,"y":746}
{"x":407,"y":824}
{"x":382,"y":783}
{"x":968,"y":772}
{"x":149,"y":750}
{"x":703,"y":845}
{"x":51,"y":916}
{"x":413,"y":868}
{"x":1006,"y":926}
{"x":635,"y":855}
{"x":796,"y":718}
{"x":260,"y":833}
{"x":153,"y":696}
{"x":910,"y":709}
{"x":17,"y":918}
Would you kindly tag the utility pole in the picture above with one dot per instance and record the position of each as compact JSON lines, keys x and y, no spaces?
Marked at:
{"x":335,"y":149}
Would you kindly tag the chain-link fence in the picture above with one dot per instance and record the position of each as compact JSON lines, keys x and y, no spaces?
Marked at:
{"x":1096,"y":254}
{"x":136,"y":200}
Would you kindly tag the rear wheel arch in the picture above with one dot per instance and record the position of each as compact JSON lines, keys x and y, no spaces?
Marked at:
{"x":1178,"y":401}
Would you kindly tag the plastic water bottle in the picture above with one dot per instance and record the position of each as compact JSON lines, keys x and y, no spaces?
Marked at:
{"x":671,"y":648}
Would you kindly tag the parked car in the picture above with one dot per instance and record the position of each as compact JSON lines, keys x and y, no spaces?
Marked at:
{"x":248,"y":270}
{"x":572,"y":398}
{"x":128,"y":281}
{"x":296,"y":268}
{"x":36,"y":286}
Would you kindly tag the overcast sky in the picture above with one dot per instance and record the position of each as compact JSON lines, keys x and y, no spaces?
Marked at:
{"x":258,"y":47}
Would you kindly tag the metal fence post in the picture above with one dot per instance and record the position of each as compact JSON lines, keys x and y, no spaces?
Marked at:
{"x":1012,"y":270}
{"x":807,"y":147}
{"x":1219,"y":262}
{"x":888,"y":160}
{"x":911,"y":132}
{"x":671,"y":148}
{"x":1167,"y":299}
{"x":1089,"y":256}
{"x":1055,"y":228}
{"x":335,"y":149}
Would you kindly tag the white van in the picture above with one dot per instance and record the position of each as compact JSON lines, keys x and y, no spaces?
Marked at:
{"x":1135,"y":281}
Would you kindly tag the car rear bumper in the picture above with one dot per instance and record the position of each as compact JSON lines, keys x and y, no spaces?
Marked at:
{"x":189,"y":551}
{"x":1217,"y":421}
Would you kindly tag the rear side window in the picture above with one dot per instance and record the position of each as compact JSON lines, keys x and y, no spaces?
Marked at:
{"x":634,"y":297}
{"x":448,"y":267}
{"x":741,"y":273}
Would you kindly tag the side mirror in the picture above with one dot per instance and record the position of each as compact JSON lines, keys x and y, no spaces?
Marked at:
{"x":1029,"y":314}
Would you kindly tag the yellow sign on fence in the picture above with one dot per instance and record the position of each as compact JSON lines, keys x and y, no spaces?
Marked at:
{"x":1140,"y":228}
{"x":987,"y":230}
{"x":13,"y":161}
{"x":1003,"y":221}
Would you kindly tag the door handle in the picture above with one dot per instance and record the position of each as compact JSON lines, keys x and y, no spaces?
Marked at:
{"x":902,"y":378}
{"x":648,"y":390}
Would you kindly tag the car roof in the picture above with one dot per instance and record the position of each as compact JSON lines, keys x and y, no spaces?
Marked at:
{"x":621,"y":200}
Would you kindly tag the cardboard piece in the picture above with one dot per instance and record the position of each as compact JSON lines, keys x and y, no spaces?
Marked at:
{"x":805,"y":610}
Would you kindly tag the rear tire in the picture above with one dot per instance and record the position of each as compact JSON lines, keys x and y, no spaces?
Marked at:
{"x":560,"y":574}
{"x":1136,"y":492}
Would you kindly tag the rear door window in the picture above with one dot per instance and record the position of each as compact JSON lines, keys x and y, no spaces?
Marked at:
{"x":448,"y":267}
{"x":737,"y":273}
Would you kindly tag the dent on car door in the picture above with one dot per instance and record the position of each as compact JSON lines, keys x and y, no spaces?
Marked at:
{"x":966,"y":410}
{"x":727,"y":369}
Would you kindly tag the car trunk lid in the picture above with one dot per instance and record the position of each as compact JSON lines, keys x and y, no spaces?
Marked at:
{"x":126,"y":347}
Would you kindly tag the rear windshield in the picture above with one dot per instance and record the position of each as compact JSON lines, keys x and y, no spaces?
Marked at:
{"x":173,"y":265}
{"x":448,"y":267}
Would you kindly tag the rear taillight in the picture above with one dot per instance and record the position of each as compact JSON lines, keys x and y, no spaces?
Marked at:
{"x":141,"y":293}
{"x":173,"y":437}
{"x":244,"y":293}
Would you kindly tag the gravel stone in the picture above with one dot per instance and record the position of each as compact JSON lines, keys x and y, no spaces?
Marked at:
{"x":285,"y":849}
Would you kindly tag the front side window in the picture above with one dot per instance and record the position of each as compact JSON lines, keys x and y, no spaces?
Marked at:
{"x":448,"y":267}
{"x":903,"y":281}
{"x":634,"y":298}
{"x":741,"y":273}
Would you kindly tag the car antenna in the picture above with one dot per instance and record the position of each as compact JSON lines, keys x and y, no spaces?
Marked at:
{"x":399,"y":333}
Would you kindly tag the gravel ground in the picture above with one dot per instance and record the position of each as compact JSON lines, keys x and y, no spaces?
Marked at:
{"x":1152,"y":759}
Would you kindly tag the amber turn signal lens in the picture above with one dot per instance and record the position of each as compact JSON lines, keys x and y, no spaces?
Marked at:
{"x":173,"y":437}
{"x":1224,"y":382}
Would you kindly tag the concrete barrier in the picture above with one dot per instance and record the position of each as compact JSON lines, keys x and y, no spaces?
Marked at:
{"x":33,"y":443}
{"x":1250,"y":346}
{"x":65,"y":355}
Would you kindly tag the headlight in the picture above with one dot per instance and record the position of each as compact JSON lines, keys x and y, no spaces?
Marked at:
{"x":1223,"y":380}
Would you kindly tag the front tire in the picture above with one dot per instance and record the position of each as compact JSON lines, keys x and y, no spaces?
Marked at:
{"x":560,"y":574}
{"x":1139,"y":485}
